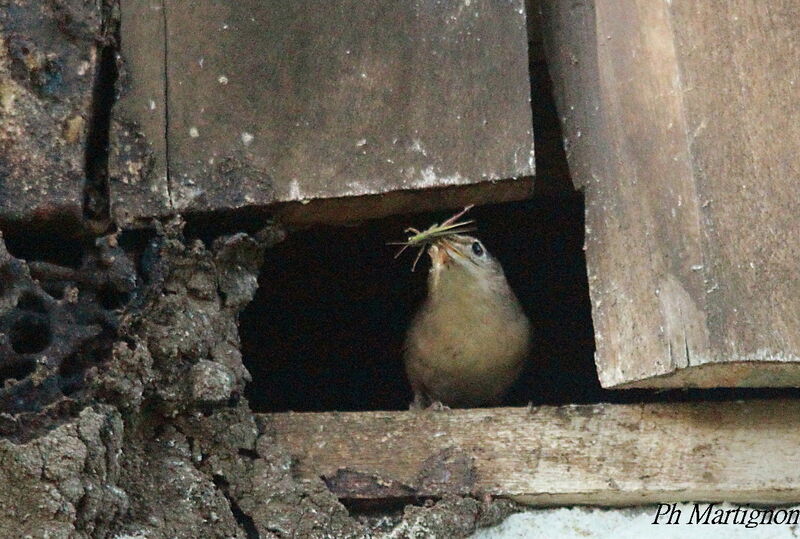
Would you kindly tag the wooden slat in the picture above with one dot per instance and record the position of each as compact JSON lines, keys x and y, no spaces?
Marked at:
{"x":138,"y":182}
{"x":275,"y":104}
{"x":682,"y":124}
{"x":595,"y":454}
{"x":278,"y":102}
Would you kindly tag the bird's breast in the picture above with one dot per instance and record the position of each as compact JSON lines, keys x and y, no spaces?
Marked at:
{"x":465,"y":334}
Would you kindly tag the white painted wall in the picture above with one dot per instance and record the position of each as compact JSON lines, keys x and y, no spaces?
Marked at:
{"x":627,"y":523}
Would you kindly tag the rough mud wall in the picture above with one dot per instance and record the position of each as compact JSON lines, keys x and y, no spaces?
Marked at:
{"x":155,"y":439}
{"x":49,"y":59}
{"x":121,"y":377}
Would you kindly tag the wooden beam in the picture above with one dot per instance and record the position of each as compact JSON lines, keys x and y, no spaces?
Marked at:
{"x":595,"y":454}
{"x":682,"y":124}
{"x":273,"y":104}
{"x":138,"y":181}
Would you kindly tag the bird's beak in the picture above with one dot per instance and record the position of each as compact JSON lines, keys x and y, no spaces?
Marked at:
{"x":439,"y":256}
{"x":442,"y":252}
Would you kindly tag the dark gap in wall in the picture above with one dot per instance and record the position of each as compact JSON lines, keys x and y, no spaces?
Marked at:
{"x":71,"y":373}
{"x":207,"y":226}
{"x":326,"y":329}
{"x":17,"y":370}
{"x":96,"y":208}
{"x":74,"y":369}
{"x":30,"y":333}
{"x":45,"y":247}
{"x":28,"y":301}
{"x":381,"y":515}
{"x":248,"y":453}
{"x":139,"y":245}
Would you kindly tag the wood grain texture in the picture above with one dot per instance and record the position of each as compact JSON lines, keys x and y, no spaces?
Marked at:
{"x":274,"y":104}
{"x":681,"y":124}
{"x":596,"y":454}
{"x":138,"y":180}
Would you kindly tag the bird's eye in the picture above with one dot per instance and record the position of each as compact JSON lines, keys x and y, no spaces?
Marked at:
{"x":477,"y":248}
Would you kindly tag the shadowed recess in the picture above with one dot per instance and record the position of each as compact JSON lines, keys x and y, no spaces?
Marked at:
{"x":326,"y":329}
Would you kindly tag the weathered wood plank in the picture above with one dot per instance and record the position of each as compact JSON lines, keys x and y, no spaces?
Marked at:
{"x":681,"y":125}
{"x":599,"y":454}
{"x":273,"y":104}
{"x":138,"y":184}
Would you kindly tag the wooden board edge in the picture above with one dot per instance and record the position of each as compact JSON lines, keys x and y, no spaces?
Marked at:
{"x":602,"y":454}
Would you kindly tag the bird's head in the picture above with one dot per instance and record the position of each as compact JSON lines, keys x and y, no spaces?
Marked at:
{"x":465,"y":260}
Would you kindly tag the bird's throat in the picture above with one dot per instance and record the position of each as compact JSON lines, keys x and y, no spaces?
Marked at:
{"x":452,"y":284}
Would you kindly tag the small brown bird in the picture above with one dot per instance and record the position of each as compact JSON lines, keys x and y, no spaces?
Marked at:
{"x":468,"y":342}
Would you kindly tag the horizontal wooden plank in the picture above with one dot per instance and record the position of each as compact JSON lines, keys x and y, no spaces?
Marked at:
{"x":593,"y":454}
{"x":270,"y":103}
